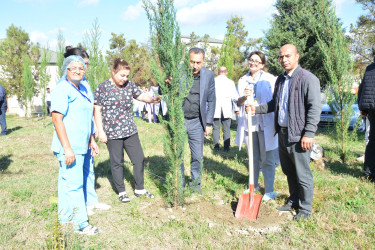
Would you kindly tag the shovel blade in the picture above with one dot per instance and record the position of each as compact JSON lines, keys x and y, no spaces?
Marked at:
{"x":248,"y":206}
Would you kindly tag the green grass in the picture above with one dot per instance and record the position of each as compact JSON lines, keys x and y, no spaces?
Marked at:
{"x":342,"y":216}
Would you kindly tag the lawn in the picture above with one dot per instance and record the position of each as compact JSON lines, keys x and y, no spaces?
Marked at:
{"x":342,"y":216}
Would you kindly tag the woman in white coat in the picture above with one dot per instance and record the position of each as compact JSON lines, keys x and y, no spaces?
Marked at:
{"x":264,"y":138}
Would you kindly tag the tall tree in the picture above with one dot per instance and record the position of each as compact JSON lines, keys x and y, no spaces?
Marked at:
{"x":98,"y":70}
{"x":194,"y":39}
{"x":363,"y":37}
{"x":138,"y":56}
{"x":339,"y":67}
{"x":168,"y":54}
{"x":44,"y":76}
{"x":296,"y":22}
{"x":28,"y":84}
{"x":227,"y":53}
{"x":12,"y":49}
{"x":60,"y":53}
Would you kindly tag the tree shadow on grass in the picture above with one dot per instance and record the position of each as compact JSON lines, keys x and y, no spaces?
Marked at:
{"x":5,"y":162}
{"x":103,"y":169}
{"x":11,"y":130}
{"x":337,"y":167}
{"x":219,"y":170}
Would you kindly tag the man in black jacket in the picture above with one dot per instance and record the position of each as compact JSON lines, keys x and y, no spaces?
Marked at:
{"x":366,"y":103}
{"x":296,"y":103}
{"x":3,"y":110}
{"x":199,"y":108}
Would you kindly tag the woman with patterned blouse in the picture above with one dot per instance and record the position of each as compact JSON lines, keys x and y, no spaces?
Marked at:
{"x":116,"y":127}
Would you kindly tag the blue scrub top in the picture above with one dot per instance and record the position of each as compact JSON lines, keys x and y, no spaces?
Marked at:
{"x":78,"y":114}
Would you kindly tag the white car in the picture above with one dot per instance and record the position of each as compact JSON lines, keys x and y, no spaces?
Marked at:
{"x":327,"y":118}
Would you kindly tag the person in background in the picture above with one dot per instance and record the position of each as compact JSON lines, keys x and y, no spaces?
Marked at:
{"x":366,"y":104}
{"x":226,"y":95}
{"x":3,"y":110}
{"x":264,"y":138}
{"x":297,"y":107}
{"x":72,"y":111}
{"x":116,"y":127}
{"x":91,"y":196}
{"x":48,"y":101}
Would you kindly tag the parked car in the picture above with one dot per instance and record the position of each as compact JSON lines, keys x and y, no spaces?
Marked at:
{"x":327,"y":118}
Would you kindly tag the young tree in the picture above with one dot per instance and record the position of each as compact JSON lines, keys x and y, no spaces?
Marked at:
{"x":295,"y":22}
{"x":339,"y":67}
{"x":98,"y":70}
{"x":168,"y":55}
{"x":28,"y":84}
{"x":44,"y":76}
{"x":12,"y":49}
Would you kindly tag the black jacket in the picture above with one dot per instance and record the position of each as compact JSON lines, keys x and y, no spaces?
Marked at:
{"x":366,"y":91}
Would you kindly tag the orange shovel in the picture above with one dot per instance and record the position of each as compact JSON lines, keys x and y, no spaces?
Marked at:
{"x":249,"y":204}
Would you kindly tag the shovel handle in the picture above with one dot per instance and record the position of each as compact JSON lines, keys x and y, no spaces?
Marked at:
{"x":250,"y":145}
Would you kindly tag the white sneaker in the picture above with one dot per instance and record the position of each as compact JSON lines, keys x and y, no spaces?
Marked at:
{"x":88,"y":230}
{"x":99,"y":206}
{"x":269,"y":196}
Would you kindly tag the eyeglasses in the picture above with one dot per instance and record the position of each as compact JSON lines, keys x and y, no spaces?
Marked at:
{"x":256,"y":63}
{"x":75,"y":69}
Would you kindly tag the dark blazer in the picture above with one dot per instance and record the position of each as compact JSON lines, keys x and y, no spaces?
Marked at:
{"x":207,"y":97}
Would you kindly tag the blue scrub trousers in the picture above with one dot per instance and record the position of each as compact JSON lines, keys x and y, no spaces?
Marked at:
{"x":71,"y":204}
{"x":91,"y":198}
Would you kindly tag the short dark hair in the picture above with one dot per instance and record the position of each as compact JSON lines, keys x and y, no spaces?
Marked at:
{"x":196,"y":50}
{"x":260,"y":54}
{"x":120,"y":64}
{"x":78,"y":51}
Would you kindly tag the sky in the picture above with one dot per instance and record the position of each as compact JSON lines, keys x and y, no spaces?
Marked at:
{"x":42,"y":19}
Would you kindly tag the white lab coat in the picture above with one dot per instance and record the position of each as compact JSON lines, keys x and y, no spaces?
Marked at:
{"x":264,"y":88}
{"x":226,"y":94}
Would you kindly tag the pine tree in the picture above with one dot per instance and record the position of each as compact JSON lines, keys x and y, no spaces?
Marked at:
{"x":296,"y":23}
{"x":339,"y":67}
{"x":44,"y":77}
{"x":168,"y":55}
{"x":28,"y":84}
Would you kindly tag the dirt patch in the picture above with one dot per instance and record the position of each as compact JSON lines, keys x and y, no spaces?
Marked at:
{"x":218,"y":213}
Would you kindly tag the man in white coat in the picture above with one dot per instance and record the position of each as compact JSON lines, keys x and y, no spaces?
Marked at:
{"x":226,"y":95}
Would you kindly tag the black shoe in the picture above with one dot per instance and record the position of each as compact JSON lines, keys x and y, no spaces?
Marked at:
{"x":226,"y":150}
{"x":287,"y":207}
{"x":217,"y":148}
{"x":301,"y":216}
{"x":124,"y":198}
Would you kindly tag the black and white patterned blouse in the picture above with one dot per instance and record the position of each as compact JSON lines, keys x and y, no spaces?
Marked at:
{"x":116,"y":106}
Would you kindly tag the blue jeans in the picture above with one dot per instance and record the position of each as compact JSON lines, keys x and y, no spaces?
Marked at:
{"x":195,"y":133}
{"x":3,"y":122}
{"x":71,"y":204}
{"x":91,"y":198}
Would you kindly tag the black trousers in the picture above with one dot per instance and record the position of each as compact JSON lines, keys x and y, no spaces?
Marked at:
{"x":133,"y":148}
{"x":369,"y":166}
{"x":225,"y":123}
